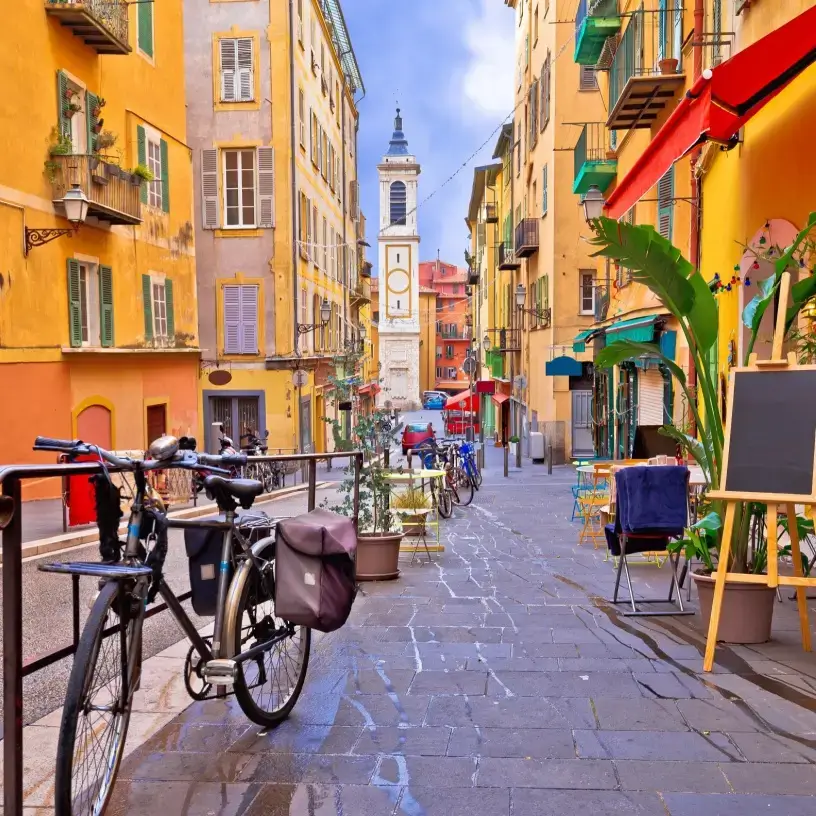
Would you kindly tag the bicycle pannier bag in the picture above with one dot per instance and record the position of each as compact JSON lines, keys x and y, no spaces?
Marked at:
{"x":314,"y":570}
{"x":204,"y":553}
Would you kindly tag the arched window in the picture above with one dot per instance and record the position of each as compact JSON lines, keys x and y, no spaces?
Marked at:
{"x":399,"y":198}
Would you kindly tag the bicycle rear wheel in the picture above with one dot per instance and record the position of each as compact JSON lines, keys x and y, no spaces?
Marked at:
{"x":475,"y":474}
{"x":463,"y":488}
{"x":444,"y":501}
{"x":267,"y":686}
{"x":96,"y":713}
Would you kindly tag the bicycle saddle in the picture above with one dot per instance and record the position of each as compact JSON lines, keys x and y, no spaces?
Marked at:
{"x":244,"y":491}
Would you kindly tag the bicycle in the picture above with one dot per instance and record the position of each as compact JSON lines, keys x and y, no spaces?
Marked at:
{"x":456,"y":486}
{"x":264,"y":472}
{"x":468,"y":453}
{"x":249,"y":651}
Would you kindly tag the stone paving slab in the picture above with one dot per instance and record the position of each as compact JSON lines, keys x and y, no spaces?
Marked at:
{"x":497,"y":681}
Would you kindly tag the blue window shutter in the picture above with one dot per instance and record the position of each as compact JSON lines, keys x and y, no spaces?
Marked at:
{"x":106,"y":306}
{"x":165,"y":178}
{"x":141,"y":146}
{"x":147,"y":302}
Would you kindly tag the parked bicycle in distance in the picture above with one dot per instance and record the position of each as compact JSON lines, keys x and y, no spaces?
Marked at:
{"x":253,"y":653}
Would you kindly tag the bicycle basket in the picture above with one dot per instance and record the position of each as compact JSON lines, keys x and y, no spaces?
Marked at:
{"x":315,"y":580}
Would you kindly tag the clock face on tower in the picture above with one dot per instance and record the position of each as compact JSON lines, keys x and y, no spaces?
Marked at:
{"x":398,"y":281}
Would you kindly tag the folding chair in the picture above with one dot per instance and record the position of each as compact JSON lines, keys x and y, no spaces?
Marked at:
{"x":590,"y":504}
{"x":578,"y":489}
{"x":652,"y":507}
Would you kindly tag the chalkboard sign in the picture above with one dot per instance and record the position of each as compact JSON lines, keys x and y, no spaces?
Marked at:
{"x":649,"y":442}
{"x":771,"y":433}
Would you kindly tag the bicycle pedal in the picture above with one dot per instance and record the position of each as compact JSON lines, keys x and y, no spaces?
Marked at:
{"x":219,"y":672}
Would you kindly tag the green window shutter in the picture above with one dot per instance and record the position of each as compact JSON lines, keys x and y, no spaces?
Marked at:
{"x":165,"y":177}
{"x":145,"y":33}
{"x":106,"y":305}
{"x":141,"y":158}
{"x":63,"y":121}
{"x":147,"y":298}
{"x":168,"y":307}
{"x":91,"y":102}
{"x":546,"y":286}
{"x":544,"y":190}
{"x":74,"y":306}
{"x":665,"y":204}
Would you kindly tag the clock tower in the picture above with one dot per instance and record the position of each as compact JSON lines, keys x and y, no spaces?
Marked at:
{"x":399,"y":329}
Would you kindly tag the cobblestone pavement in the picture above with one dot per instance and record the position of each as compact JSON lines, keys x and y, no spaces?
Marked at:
{"x":496,"y":681}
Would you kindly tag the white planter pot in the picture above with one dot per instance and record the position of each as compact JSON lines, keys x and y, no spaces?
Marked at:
{"x":513,"y":448}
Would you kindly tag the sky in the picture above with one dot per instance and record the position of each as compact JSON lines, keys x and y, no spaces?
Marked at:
{"x":450,"y":65}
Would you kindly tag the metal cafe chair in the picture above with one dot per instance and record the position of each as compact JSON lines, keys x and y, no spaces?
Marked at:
{"x":652,"y":506}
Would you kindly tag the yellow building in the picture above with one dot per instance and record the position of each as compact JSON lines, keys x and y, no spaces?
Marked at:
{"x":711,"y":152}
{"x":273,"y":128}
{"x":550,"y":298}
{"x":98,"y":326}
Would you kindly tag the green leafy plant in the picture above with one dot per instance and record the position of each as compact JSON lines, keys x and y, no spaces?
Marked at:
{"x":514,"y":439}
{"x":143,"y":172}
{"x":105,"y":140}
{"x":660,"y":266}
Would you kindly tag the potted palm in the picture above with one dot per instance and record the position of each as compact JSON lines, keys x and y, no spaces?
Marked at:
{"x":654,"y":262}
{"x":412,"y":507}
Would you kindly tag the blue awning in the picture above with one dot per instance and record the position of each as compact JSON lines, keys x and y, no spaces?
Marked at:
{"x":563,"y":367}
{"x":639,"y":330}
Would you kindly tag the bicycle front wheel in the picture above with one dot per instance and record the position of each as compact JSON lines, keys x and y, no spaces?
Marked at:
{"x":464,"y":488}
{"x":97,"y":712}
{"x":268,"y":685}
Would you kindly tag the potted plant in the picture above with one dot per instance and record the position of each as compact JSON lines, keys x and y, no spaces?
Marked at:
{"x":654,"y":262}
{"x":513,"y":443}
{"x":378,"y":536}
{"x":412,"y":507}
{"x":105,"y":140}
{"x":668,"y":65}
{"x":97,"y":108}
{"x":71,"y":108}
{"x":140,"y":174}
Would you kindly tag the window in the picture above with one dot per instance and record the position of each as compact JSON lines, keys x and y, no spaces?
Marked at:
{"x":544,"y":183}
{"x":451,"y":373}
{"x":399,"y":203}
{"x":665,"y":203}
{"x":302,"y":117}
{"x":237,"y":70}
{"x":450,"y":306}
{"x":438,"y":373}
{"x":438,"y":352}
{"x":449,"y":352}
{"x":315,"y":238}
{"x":455,"y":288}
{"x":154,"y":164}
{"x":144,"y":34}
{"x":588,"y":79}
{"x":518,"y":149}
{"x":535,"y":25}
{"x":586,"y":279}
{"x":532,"y":122}
{"x":239,"y":188}
{"x":326,"y":246}
{"x":80,"y":298}
{"x":544,"y":112}
{"x":157,"y":301}
{"x":313,"y":137}
{"x":300,"y":22}
{"x":240,"y":319}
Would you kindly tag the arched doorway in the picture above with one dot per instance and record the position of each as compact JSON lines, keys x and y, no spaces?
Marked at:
{"x":93,"y":424}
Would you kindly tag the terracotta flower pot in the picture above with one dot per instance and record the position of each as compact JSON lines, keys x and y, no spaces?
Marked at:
{"x":747,"y":610}
{"x":378,"y":556}
{"x":668,"y":65}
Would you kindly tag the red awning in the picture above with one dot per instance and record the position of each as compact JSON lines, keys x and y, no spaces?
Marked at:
{"x":500,"y":398}
{"x":721,"y":101}
{"x":462,"y":401}
{"x":371,"y":388}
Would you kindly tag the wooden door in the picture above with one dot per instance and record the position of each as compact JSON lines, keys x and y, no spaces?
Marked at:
{"x":156,"y":423}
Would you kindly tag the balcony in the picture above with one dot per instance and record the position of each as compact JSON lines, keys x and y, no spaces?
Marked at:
{"x":114,"y":195}
{"x":490,"y":213}
{"x":455,"y":334}
{"x":505,"y":340}
{"x":360,"y":291}
{"x":495,"y":362}
{"x":473,"y":271}
{"x":646,"y":72}
{"x":526,"y":237}
{"x":507,"y":260}
{"x":594,"y":163}
{"x":592,"y":30}
{"x":100,"y":24}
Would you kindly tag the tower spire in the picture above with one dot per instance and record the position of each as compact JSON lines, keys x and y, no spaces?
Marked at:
{"x":398,"y":146}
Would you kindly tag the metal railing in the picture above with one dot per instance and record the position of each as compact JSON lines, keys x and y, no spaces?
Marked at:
{"x":110,"y":14}
{"x":14,"y":667}
{"x":526,"y":236}
{"x":600,"y":8}
{"x":650,"y":38}
{"x":113,"y":194}
{"x":601,"y":303}
{"x":591,"y":146}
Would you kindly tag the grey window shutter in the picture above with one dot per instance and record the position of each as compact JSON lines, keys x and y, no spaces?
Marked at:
{"x":106,"y":306}
{"x":232,"y":320}
{"x":228,"y":70}
{"x":141,"y":147}
{"x":249,"y":319}
{"x":665,"y":204}
{"x":209,"y":189}
{"x":245,"y":85}
{"x":544,"y":202}
{"x":147,"y":303}
{"x":74,"y":307}
{"x":165,"y":177}
{"x":266,"y":186}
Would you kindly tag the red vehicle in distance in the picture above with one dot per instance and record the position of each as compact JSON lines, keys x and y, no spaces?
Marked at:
{"x":415,"y":433}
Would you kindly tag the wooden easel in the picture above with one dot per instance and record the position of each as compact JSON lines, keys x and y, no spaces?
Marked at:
{"x":773,"y":500}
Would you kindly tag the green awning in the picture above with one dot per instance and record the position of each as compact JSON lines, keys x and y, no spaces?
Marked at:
{"x":639,"y":330}
{"x":579,"y":343}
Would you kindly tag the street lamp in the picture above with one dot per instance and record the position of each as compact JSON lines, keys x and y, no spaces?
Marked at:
{"x":486,"y":344}
{"x":593,"y":204}
{"x":325,"y":316}
{"x":521,"y":297}
{"x":75,"y":203}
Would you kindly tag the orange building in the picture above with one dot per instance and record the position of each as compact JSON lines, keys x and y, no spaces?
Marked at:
{"x":453,"y":328}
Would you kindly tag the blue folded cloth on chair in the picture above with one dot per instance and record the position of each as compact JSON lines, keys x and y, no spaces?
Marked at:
{"x":652,"y":499}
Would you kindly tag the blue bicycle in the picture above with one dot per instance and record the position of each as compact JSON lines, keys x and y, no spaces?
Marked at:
{"x":467,"y":452}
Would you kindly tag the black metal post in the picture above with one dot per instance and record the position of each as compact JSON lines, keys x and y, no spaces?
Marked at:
{"x":13,"y":655}
{"x":358,"y":460}
{"x":312,"y":484}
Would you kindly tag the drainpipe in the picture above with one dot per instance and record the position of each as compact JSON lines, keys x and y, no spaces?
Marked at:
{"x":696,"y":185}
{"x":293,"y":168}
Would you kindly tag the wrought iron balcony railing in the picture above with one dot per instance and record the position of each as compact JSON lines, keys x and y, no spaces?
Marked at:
{"x":526,"y":237}
{"x":101,"y":24}
{"x":594,"y":163}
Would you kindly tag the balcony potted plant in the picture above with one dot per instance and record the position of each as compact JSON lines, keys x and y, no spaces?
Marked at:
{"x":105,"y":141}
{"x":141,"y":174}
{"x":97,"y":108}
{"x":72,"y":108}
{"x":668,"y":65}
{"x":655,"y":263}
{"x":412,"y":506}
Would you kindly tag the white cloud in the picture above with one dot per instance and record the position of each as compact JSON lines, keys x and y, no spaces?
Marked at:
{"x":487,"y":82}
